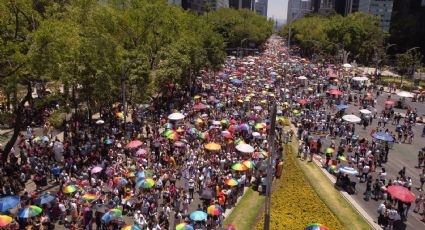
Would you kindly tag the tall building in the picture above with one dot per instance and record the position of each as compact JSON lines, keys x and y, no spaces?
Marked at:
{"x":200,"y":6}
{"x":261,"y":7}
{"x":322,"y":5}
{"x":298,"y":8}
{"x":345,"y":7}
{"x":381,"y":8}
{"x":242,"y":4}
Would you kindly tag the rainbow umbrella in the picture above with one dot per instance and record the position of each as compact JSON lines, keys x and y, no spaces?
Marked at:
{"x":323,"y":136}
{"x":70,"y":188}
{"x":131,"y":227}
{"x":29,"y":211}
{"x":231,"y":182}
{"x":329,"y":150}
{"x":259,"y":126}
{"x":212,"y":146}
{"x":184,"y":226}
{"x":316,"y":227}
{"x":244,"y":127}
{"x":120,"y":180}
{"x":249,"y":164}
{"x":144,"y":173}
{"x":168,"y":132}
{"x":112,"y":215}
{"x":5,"y":220}
{"x":120,"y":115}
{"x":41,"y":138}
{"x":215,"y":210}
{"x":173,"y":136}
{"x":239,"y":167}
{"x":192,"y":131}
{"x":8,"y":202}
{"x":145,"y":182}
{"x":204,"y":136}
{"x":90,"y":197}
{"x":129,"y":174}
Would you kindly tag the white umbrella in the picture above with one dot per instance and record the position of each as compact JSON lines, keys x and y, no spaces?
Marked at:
{"x":348,"y":170}
{"x":176,"y":116}
{"x":216,"y":123}
{"x":302,"y":78}
{"x":256,"y":134}
{"x":351,"y":118}
{"x":245,"y":148}
{"x":346,"y":65}
{"x":404,"y":94}
{"x":360,"y":79}
{"x":100,"y":122}
{"x":365,"y":111}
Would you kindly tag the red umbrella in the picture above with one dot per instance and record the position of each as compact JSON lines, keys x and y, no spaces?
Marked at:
{"x":238,"y":73}
{"x":134,"y":144}
{"x":401,"y":193}
{"x":389,"y":102}
{"x":199,"y":106}
{"x":302,"y":101}
{"x":335,"y":92}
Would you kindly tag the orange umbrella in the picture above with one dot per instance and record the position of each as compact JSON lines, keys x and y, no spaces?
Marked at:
{"x":212,"y":146}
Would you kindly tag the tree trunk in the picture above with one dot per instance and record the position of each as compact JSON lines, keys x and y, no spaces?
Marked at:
{"x":19,"y":123}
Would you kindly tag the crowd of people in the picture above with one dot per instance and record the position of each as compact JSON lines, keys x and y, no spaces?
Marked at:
{"x":187,"y":161}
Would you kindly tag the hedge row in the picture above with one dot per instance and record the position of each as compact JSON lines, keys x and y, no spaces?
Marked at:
{"x":294,"y":203}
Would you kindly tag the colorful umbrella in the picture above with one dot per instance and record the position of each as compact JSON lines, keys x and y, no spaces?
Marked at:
{"x":212,"y":146}
{"x":120,"y":115}
{"x":239,"y":167}
{"x":112,"y":215}
{"x":140,"y":152}
{"x":231,"y":182}
{"x":329,"y":150}
{"x":389,"y":102}
{"x":173,"y":136}
{"x":316,"y":227}
{"x":144,"y":173}
{"x":108,"y":141}
{"x":227,"y":134}
{"x":134,"y":144}
{"x":145,"y":182}
{"x":204,"y":136}
{"x":215,"y":210}
{"x":184,"y":226}
{"x":90,"y":197}
{"x":192,"y":131}
{"x":131,"y":227}
{"x":260,"y":155}
{"x":70,"y":188}
{"x":249,"y":164}
{"x":244,"y":127}
{"x":335,"y":92}
{"x":198,"y":216}
{"x":259,"y":126}
{"x":129,"y":174}
{"x":41,"y":138}
{"x":8,"y":202}
{"x":5,"y":220}
{"x":29,"y":211}
{"x":96,"y":169}
{"x":44,"y":199}
{"x":120,"y":180}
{"x":401,"y":193}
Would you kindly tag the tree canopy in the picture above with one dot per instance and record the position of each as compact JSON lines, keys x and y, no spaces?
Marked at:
{"x":356,"y":36}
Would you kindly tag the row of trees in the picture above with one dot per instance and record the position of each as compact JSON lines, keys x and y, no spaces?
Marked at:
{"x":355,"y":37}
{"x":96,"y":49}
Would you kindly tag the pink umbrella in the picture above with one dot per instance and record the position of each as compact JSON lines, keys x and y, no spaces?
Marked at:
{"x":335,"y":92}
{"x":199,"y":106}
{"x":134,"y":144}
{"x":302,"y":101}
{"x":332,"y":75}
{"x":96,"y":169}
{"x":141,"y":152}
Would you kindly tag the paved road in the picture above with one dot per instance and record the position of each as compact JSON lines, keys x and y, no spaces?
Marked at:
{"x":400,"y":155}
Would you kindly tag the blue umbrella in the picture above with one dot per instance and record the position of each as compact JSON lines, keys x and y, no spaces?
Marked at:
{"x":198,"y":216}
{"x":383,"y":136}
{"x":8,"y":202}
{"x":341,"y":106}
{"x":236,"y":81}
{"x":44,"y":199}
{"x":55,"y":170}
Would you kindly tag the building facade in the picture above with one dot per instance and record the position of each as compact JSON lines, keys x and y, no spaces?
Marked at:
{"x":201,"y":6}
{"x":298,"y":8}
{"x":242,"y":4}
{"x":380,"y":8}
{"x":261,"y":7}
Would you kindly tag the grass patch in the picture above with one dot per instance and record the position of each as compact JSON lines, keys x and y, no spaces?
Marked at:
{"x":345,"y":213}
{"x":408,"y":84}
{"x":245,"y":213}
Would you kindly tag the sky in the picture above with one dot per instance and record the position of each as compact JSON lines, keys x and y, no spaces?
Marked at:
{"x":277,"y":9}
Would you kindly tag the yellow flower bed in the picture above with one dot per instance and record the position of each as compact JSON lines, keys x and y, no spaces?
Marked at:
{"x":294,"y":203}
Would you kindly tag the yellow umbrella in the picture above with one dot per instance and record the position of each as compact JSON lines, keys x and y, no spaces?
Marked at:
{"x":197,"y":97}
{"x":212,"y":146}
